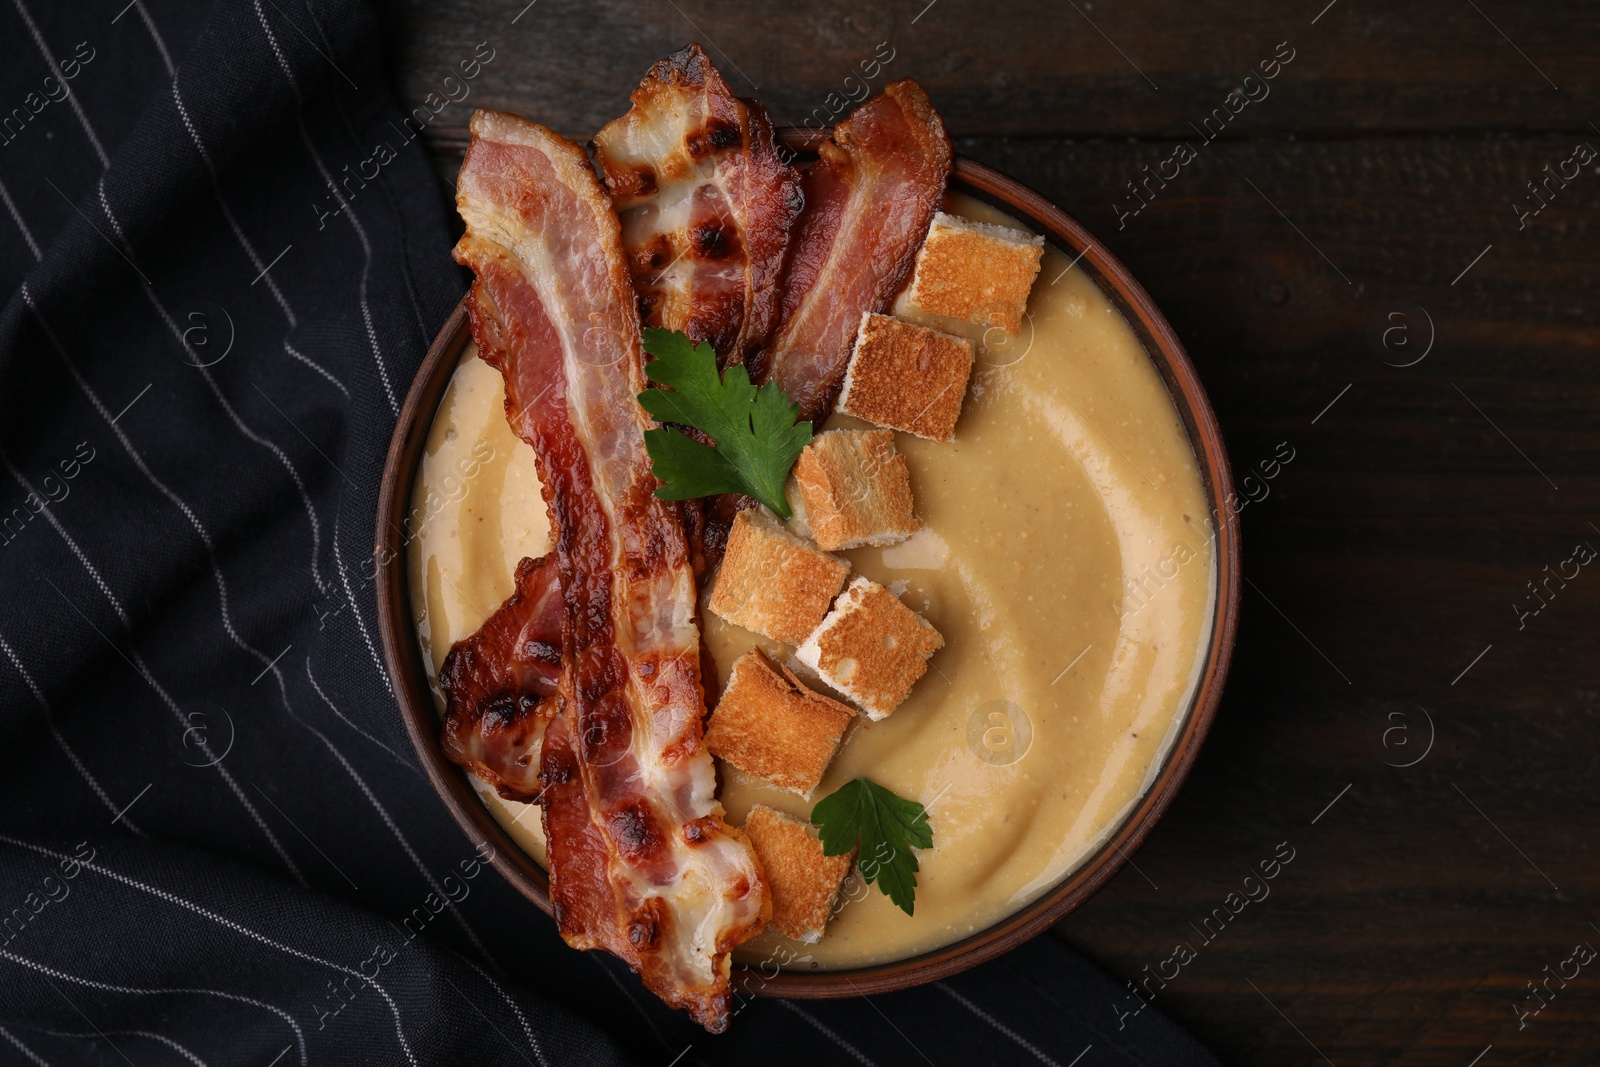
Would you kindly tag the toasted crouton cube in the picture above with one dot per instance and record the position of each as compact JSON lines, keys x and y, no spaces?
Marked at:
{"x":772,"y":582}
{"x":907,"y":377}
{"x":771,"y":726}
{"x":854,"y":489}
{"x":975,"y":272}
{"x":804,"y":883}
{"x":871,"y":648}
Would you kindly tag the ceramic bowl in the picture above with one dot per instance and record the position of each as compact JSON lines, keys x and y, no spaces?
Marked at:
{"x":409,"y":678}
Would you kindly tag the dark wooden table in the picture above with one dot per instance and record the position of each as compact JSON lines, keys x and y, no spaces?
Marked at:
{"x":1363,"y":211}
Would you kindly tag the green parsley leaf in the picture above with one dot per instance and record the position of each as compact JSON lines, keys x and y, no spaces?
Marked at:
{"x":886,"y":827}
{"x":755,"y":430}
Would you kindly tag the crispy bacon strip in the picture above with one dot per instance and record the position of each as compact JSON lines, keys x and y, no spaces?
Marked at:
{"x":641,"y":861}
{"x":705,"y":202}
{"x":497,"y":684}
{"x":869,"y":201}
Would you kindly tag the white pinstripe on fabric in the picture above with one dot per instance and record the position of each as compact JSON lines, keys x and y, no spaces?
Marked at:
{"x":236,"y":927}
{"x":50,"y":721}
{"x":337,"y":384}
{"x":351,"y":723}
{"x":272,"y":40}
{"x":16,"y":216}
{"x":239,"y":423}
{"x":24,"y":1049}
{"x":148,"y":1035}
{"x":600,"y":961}
{"x":227,"y":212}
{"x":533,"y":1042}
{"x":824,"y":1029}
{"x":161,"y":45}
{"x":72,"y":97}
{"x":383,"y":813}
{"x":185,"y":1053}
{"x":366,"y":247}
{"x":422,"y":319}
{"x":107,"y":987}
{"x":350,"y":598}
{"x":216,"y":188}
{"x":345,"y":210}
{"x":105,"y":206}
{"x":998,"y":1025}
{"x":117,"y":605}
{"x":348,"y":212}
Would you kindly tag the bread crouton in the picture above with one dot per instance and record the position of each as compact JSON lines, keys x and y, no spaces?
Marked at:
{"x":771,"y":726}
{"x":852,"y":489}
{"x":975,"y":272}
{"x":871,"y":648}
{"x":804,"y":883}
{"x":772,"y":582}
{"x":907,"y":377}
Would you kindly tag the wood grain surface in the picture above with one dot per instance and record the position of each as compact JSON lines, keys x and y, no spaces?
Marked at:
{"x":1362,"y":211}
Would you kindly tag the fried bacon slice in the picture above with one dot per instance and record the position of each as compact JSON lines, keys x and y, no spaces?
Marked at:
{"x":498,"y":684}
{"x":642,"y":863}
{"x":705,"y":202}
{"x":869,"y":200}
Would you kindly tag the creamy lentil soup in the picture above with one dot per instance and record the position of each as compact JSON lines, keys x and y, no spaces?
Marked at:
{"x":1066,"y":557}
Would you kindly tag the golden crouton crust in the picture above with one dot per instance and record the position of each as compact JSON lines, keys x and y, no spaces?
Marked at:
{"x":772,"y":582}
{"x":871,"y":647}
{"x":965,"y":273}
{"x":856,"y":489}
{"x":771,"y":726}
{"x":804,"y":882}
{"x":907,"y":377}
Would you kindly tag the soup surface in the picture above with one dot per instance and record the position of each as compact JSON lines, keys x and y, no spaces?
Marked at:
{"x":1066,"y":557}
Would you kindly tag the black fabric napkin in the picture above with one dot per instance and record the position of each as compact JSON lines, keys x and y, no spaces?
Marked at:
{"x":212,"y":828}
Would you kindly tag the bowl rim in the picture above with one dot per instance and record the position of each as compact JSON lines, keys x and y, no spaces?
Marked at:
{"x":408,"y":677}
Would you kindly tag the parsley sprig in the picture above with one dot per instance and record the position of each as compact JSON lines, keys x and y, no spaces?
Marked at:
{"x":757,"y":437}
{"x":886,"y":828}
